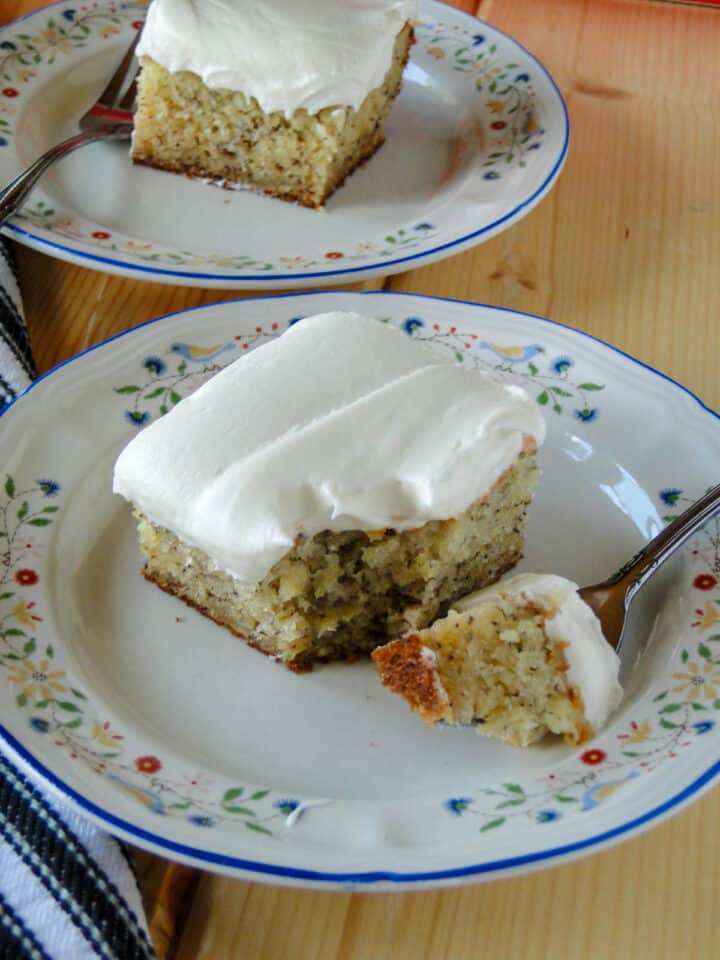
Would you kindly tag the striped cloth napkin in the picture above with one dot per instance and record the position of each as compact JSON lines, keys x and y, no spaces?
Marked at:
{"x":67,"y":889}
{"x":17,"y":367}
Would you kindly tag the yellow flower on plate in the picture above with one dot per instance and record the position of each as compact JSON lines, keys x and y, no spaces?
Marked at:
{"x":25,"y":75}
{"x":436,"y":52}
{"x":495,"y":106}
{"x":642,"y":732}
{"x":108,"y":32}
{"x":708,"y":616}
{"x":22,"y":614}
{"x":104,"y":735}
{"x":51,"y":39}
{"x":37,"y":678}
{"x":698,"y":680}
{"x":136,"y":246}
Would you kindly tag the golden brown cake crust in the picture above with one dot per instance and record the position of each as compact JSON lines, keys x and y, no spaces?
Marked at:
{"x":405,"y":668}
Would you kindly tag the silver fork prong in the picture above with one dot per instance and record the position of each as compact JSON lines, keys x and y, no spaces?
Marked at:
{"x":111,"y":93}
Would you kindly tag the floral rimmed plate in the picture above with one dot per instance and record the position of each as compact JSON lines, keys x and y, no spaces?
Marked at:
{"x":477,"y":137}
{"x":176,"y":735}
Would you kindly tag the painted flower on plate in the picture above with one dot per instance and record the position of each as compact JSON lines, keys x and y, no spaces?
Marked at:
{"x":412,"y":324}
{"x":148,"y":764}
{"x":51,"y":39}
{"x":587,"y":414}
{"x":136,"y":246}
{"x":699,"y":680}
{"x":703,"y":726}
{"x":105,"y":736}
{"x":593,"y":757}
{"x":37,"y":679}
{"x":201,"y":821}
{"x":49,"y":487}
{"x":562,"y":364}
{"x":195,"y":783}
{"x":26,"y":578}
{"x":640,"y":732}
{"x":22,"y":613}
{"x":547,"y":816}
{"x":137,"y":417}
{"x":670,"y":496}
{"x":708,"y":616}
{"x":29,"y":547}
{"x":705,"y":581}
{"x":154,"y":365}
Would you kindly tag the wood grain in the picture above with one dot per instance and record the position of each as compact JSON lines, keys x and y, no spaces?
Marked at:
{"x":626,"y":247}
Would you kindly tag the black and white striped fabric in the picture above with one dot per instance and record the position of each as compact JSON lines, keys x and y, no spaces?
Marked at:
{"x":17,"y":367}
{"x":67,"y":889}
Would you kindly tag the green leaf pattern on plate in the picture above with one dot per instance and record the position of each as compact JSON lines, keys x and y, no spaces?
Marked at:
{"x":58,"y":710}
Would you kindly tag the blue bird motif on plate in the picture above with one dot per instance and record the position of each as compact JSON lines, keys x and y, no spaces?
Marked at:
{"x":595,"y":794}
{"x":147,"y":797}
{"x":197,"y":354}
{"x":512,"y":354}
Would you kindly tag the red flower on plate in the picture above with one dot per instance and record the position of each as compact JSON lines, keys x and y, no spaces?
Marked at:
{"x":26,"y":578}
{"x":334,"y":255}
{"x":101,"y":235}
{"x":705,"y":581}
{"x":593,"y":757}
{"x":148,"y":764}
{"x":10,"y":92}
{"x":138,"y":24}
{"x":498,"y":125}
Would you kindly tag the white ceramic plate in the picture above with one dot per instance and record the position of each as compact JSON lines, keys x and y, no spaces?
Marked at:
{"x":476,"y":139}
{"x":179,"y":737}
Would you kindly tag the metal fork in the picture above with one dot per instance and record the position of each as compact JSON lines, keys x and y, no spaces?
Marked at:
{"x":110,"y":118}
{"x":610,"y":600}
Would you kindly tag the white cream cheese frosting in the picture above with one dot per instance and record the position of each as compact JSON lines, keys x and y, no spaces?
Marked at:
{"x":342,"y":423}
{"x":593,"y":665}
{"x":287,"y":54}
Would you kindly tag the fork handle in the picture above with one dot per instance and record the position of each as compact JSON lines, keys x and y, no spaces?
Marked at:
{"x":12,"y":197}
{"x":644,"y":564}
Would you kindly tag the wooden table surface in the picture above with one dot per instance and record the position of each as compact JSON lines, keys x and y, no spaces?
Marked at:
{"x":627,"y":247}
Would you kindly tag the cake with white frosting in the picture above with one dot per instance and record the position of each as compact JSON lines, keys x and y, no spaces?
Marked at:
{"x":516,"y":660}
{"x":284,"y":97}
{"x":334,"y":488}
